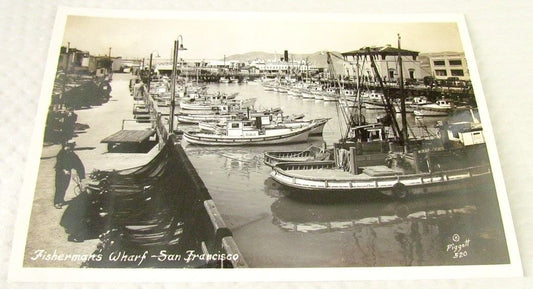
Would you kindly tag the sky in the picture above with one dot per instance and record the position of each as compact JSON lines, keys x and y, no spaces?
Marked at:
{"x":208,"y":36}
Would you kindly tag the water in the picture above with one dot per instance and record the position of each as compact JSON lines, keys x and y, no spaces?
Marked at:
{"x":272,"y":230}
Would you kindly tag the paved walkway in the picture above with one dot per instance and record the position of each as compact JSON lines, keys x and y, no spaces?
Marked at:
{"x":45,"y":234}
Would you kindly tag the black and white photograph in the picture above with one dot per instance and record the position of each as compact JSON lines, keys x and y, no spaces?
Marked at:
{"x":360,"y":146}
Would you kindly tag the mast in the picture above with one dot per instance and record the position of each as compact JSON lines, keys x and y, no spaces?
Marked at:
{"x":405,"y":133}
{"x":358,"y":92}
{"x":345,"y":114}
{"x":389,"y":108}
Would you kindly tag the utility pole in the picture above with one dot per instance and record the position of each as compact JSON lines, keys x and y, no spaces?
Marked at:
{"x":110,"y":65}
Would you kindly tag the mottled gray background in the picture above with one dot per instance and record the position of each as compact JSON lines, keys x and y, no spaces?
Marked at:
{"x":501,"y":33}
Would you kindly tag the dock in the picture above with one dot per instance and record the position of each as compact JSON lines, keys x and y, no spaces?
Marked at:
{"x":128,"y":137}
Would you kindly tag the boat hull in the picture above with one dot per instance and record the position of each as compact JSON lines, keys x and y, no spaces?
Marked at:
{"x":293,"y":175}
{"x":431,"y":112}
{"x":196,"y":119}
{"x":217,"y":140}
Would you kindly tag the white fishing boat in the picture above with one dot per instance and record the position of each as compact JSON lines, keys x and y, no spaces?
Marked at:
{"x":331,"y":96}
{"x":308,"y":94}
{"x":238,"y":133}
{"x":201,"y":118}
{"x":440,"y":108}
{"x":215,"y":101}
{"x":223,"y":80}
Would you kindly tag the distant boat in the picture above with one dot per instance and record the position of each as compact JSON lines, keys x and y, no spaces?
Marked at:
{"x":440,"y":108}
{"x":223,"y":80}
{"x":215,"y":101}
{"x":373,"y":100}
{"x":331,"y":94}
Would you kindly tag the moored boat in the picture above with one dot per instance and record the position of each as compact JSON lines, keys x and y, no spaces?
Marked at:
{"x":237,"y":134}
{"x":455,"y":161}
{"x":312,"y":153}
{"x":215,"y":101}
{"x":440,"y":108}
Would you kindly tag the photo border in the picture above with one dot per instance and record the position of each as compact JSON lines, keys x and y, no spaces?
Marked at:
{"x":18,"y":273}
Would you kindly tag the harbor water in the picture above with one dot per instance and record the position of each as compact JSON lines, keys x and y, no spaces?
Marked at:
{"x":272,"y":230}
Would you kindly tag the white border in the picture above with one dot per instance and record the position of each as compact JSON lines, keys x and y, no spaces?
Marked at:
{"x":18,"y":273}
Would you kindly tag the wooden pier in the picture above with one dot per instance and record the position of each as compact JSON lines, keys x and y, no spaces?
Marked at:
{"x":138,"y":137}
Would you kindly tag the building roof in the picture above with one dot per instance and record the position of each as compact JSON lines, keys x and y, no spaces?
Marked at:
{"x":382,"y":51}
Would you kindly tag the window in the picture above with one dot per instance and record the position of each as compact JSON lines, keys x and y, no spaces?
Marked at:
{"x":411,"y":73}
{"x":440,"y":72}
{"x":457,"y":72}
{"x":391,"y":73}
{"x":456,"y":62}
{"x":438,"y":62}
{"x":235,"y":125}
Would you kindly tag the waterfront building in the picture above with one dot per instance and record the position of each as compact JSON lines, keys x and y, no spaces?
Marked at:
{"x":73,"y":59}
{"x":282,"y":67}
{"x":444,"y":65}
{"x":386,"y":62}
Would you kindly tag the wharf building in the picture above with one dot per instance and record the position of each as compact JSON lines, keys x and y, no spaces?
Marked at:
{"x":78,"y":61}
{"x":386,"y":63}
{"x":445,"y":65}
{"x":192,"y":66}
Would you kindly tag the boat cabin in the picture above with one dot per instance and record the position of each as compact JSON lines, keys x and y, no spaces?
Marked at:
{"x":419,"y":100}
{"x":444,"y":103}
{"x":465,"y":133}
{"x":367,"y":133}
{"x":349,"y":92}
{"x":240,"y":128}
{"x":373,"y":95}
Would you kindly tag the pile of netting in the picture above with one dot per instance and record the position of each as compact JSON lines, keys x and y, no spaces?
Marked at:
{"x":138,"y":214}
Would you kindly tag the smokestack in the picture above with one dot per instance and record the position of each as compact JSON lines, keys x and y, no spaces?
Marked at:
{"x":286,"y":56}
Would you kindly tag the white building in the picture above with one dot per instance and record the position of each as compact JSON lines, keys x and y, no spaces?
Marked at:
{"x":448,"y":64}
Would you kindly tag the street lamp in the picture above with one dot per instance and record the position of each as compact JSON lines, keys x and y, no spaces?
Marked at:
{"x":177,"y":47}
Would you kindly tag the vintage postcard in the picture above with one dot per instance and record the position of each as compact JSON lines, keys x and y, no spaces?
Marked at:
{"x":277,"y":146}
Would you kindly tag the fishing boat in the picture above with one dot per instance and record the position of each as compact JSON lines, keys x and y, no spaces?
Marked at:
{"x":369,"y":142}
{"x":373,"y":100}
{"x":200,"y":118}
{"x":440,"y":108}
{"x":331,"y":94}
{"x":239,"y":133}
{"x":457,"y":159}
{"x":455,"y":164}
{"x":293,"y":121}
{"x":213,"y":102}
{"x":312,"y":153}
{"x":223,"y":80}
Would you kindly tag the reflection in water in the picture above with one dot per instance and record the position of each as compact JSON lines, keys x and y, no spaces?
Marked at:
{"x":406,"y":233}
{"x":292,"y":215}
